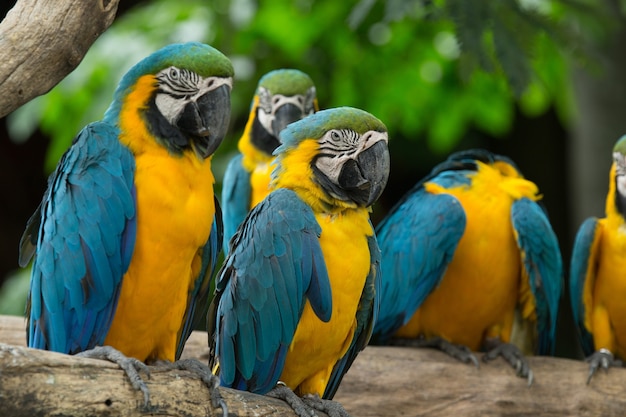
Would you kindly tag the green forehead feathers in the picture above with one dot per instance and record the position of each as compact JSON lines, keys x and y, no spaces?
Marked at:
{"x":316,"y":125}
{"x":202,"y":59}
{"x":620,"y":146}
{"x":287,"y":82}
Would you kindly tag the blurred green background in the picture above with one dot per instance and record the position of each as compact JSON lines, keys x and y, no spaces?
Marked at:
{"x":539,"y":81}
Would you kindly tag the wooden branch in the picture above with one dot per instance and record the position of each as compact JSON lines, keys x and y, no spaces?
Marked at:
{"x":39,"y":383}
{"x":384,"y":381}
{"x":44,"y":40}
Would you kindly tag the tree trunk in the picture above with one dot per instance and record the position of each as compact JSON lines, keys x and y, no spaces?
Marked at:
{"x":384,"y":381}
{"x":44,"y":40}
{"x":600,"y":106}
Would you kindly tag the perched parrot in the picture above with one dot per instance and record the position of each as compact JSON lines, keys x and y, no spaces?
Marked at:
{"x":597,"y":267}
{"x":297,"y":296}
{"x":469,"y":262}
{"x":282,"y":97}
{"x":128,"y":231}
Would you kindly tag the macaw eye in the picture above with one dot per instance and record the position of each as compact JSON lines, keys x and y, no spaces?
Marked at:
{"x":334,"y":135}
{"x":174,"y":73}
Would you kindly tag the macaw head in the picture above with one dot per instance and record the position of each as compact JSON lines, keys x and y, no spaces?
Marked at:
{"x":619,"y":162}
{"x":181,"y":95}
{"x":340,"y":153}
{"x":282,"y":97}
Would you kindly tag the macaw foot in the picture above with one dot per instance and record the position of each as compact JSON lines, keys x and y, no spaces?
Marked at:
{"x":330,"y":407}
{"x":514,"y":357}
{"x":204,"y":373}
{"x":602,"y":358}
{"x":131,"y":367}
{"x":308,"y":404}
{"x":283,"y":392}
{"x":460,"y":352}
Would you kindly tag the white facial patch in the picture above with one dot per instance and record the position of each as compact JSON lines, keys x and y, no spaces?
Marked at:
{"x":339,"y":145}
{"x":178,"y":87}
{"x":269,"y":104}
{"x":620,"y":172}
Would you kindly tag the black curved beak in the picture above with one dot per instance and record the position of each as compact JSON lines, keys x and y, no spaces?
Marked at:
{"x":284,"y":115}
{"x":365,"y":177}
{"x":206,"y":120}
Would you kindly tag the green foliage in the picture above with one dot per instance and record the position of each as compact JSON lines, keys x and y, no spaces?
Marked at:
{"x":429,"y":70}
{"x":13,"y":293}
{"x":86,"y":93}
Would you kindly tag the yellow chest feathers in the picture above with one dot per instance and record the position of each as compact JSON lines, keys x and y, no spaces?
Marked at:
{"x":491,"y":186}
{"x":175,"y":211}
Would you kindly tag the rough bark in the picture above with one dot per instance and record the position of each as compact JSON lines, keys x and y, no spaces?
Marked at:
{"x":383,"y":381}
{"x":44,"y":40}
{"x":39,"y":383}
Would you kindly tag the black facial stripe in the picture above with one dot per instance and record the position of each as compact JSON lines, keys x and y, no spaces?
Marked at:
{"x":263,"y":139}
{"x":620,"y":200}
{"x":325,"y":183}
{"x":335,"y":152}
{"x":180,"y":90}
{"x":185,"y":82}
{"x":161,"y":128}
{"x":325,"y":155}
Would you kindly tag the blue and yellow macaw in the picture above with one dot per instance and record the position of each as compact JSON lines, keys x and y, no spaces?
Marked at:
{"x":469,"y":261}
{"x":597,"y":267}
{"x":297,"y":295}
{"x":282,"y":97}
{"x":129,"y":229}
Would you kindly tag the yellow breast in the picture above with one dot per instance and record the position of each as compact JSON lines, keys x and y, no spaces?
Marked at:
{"x":260,"y":183}
{"x":257,"y":163}
{"x":175,"y":211}
{"x":606,"y":316}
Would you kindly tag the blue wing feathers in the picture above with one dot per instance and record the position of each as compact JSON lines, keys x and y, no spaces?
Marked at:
{"x":246,"y":342}
{"x":130,"y":230}
{"x":289,"y":313}
{"x":417,"y":240}
{"x":268,"y":334}
{"x":543,"y":263}
{"x":257,"y":287}
{"x":85,"y":239}
{"x":581,"y":257}
{"x":236,"y":191}
{"x":319,"y":284}
{"x":227,"y":355}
